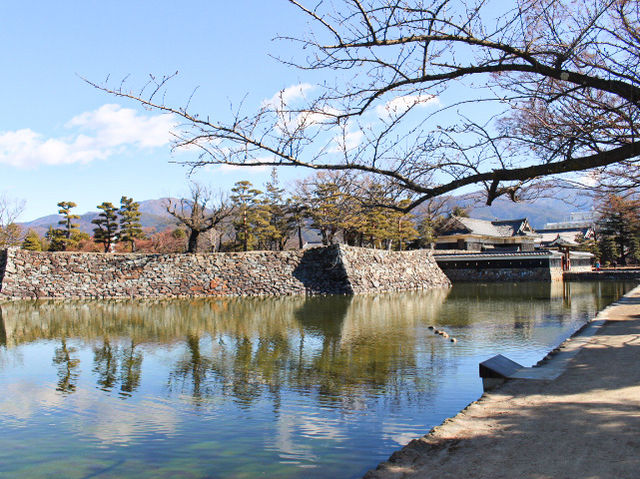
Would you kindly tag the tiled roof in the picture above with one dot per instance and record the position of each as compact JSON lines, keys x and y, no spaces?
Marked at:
{"x":510,"y":227}
{"x":505,"y":228}
{"x":460,"y":254}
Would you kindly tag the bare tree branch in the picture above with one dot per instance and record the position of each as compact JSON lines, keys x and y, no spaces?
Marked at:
{"x":439,"y":95}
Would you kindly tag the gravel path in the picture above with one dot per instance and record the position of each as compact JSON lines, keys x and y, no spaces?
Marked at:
{"x":584,"y":424}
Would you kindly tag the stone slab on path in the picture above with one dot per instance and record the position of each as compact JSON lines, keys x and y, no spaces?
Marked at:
{"x":585,"y":423}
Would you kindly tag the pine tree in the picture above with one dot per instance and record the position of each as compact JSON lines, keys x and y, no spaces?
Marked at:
{"x":460,"y":212}
{"x":130,"y":227}
{"x":590,"y":245}
{"x":403,"y":226}
{"x":433,"y":219}
{"x":245,"y":199}
{"x":619,"y":223}
{"x":609,"y":250}
{"x":32,"y":241}
{"x":56,"y":239}
{"x":327,"y":207}
{"x":261,"y":226}
{"x":68,"y":226}
{"x":106,"y":226}
{"x":297,"y":210}
{"x":281,"y":220}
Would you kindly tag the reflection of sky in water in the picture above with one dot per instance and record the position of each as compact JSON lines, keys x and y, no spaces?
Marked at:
{"x":284,"y":387}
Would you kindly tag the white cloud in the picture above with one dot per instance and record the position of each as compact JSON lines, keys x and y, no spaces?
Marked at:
{"x":293,"y":117}
{"x":116,"y":423}
{"x":349,"y":141}
{"x":309,"y":118}
{"x":589,"y":179}
{"x":25,"y":399}
{"x":395,"y":433}
{"x":289,"y":95}
{"x":401,"y":104}
{"x":94,"y":135}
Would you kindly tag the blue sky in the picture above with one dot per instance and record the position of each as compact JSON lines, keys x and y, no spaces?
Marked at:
{"x":61,"y":139}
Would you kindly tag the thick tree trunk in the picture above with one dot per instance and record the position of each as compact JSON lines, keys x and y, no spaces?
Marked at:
{"x":192,"y":246}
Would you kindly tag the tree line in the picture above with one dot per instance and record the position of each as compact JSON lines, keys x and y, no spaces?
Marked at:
{"x":113,"y":225}
{"x":339,"y":207}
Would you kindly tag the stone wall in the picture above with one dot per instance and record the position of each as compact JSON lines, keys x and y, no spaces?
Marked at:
{"x":472,"y":275}
{"x":497,"y":267}
{"x":378,"y":270}
{"x":331,"y":270}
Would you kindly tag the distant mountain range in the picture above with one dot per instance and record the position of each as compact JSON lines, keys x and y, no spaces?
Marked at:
{"x":539,"y":212}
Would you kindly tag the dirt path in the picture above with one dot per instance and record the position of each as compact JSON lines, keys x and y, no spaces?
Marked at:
{"x":584,"y":424}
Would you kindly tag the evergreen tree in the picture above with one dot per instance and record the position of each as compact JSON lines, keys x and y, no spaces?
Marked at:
{"x":245,"y":199}
{"x":68,"y":226}
{"x":329,"y":208}
{"x":609,"y":251}
{"x":281,"y":221}
{"x":297,"y":211}
{"x":373,"y":225}
{"x":404,"y":227}
{"x":106,"y":230}
{"x":56,"y":239}
{"x":459,"y":211}
{"x":266,"y":235}
{"x":590,"y":245}
{"x":32,"y":241}
{"x":619,"y":223}
{"x":130,"y":227}
{"x":376,"y":223}
{"x":634,"y":249}
{"x":428,"y":229}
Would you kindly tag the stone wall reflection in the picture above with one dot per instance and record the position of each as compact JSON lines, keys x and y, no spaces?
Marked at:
{"x":336,"y":349}
{"x":330,"y":347}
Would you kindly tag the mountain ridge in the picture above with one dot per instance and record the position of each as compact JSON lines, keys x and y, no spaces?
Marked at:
{"x":154,"y":217}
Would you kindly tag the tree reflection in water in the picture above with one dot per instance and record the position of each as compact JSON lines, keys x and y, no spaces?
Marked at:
{"x":105,"y":364}
{"x":130,"y":370}
{"x":192,"y":369}
{"x":107,"y":358}
{"x":67,"y":367}
{"x":339,"y":350}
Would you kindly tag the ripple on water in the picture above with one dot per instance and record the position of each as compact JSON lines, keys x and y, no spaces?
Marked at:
{"x":319,"y":387}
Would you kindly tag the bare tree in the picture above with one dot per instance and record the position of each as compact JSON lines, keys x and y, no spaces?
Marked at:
{"x":200,"y":213}
{"x":438,"y":95}
{"x":10,"y":211}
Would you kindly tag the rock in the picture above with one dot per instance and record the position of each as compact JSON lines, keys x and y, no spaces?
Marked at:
{"x":330,"y":270}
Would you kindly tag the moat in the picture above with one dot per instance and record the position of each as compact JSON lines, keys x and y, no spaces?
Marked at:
{"x":274,"y":387}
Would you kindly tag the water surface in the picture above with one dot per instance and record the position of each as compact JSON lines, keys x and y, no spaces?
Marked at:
{"x":239,"y":388}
